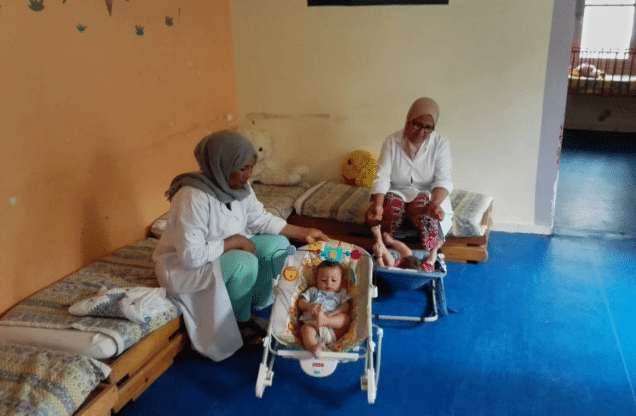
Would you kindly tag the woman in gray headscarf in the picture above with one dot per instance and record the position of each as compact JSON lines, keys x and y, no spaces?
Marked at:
{"x":221,"y":249}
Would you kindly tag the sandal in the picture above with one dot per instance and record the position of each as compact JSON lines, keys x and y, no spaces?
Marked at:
{"x":252,"y":327}
{"x":252,"y":339}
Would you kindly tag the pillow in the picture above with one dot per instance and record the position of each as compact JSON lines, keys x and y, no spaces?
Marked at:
{"x":137,"y":304}
{"x":468,"y":211}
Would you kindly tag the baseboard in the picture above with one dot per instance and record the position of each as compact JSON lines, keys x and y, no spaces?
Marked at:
{"x":522,"y":228}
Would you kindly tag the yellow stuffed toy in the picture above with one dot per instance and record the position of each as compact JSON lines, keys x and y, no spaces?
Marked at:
{"x":359,"y":169}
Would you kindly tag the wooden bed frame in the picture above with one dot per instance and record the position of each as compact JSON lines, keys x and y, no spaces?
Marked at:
{"x":136,"y":369}
{"x":462,"y":250}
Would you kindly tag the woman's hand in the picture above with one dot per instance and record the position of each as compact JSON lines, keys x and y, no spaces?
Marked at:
{"x":374,"y":214}
{"x":434,"y":209}
{"x":239,"y":242}
{"x":375,"y":210}
{"x":312,"y":235}
{"x":436,"y":212}
{"x":308,"y":235}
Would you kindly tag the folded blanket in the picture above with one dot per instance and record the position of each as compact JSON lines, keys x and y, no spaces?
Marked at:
{"x":137,"y":304}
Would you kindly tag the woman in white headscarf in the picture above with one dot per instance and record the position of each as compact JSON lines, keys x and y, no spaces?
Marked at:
{"x":221,"y":249}
{"x":414,"y":178}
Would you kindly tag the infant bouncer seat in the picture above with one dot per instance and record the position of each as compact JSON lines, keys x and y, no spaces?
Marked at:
{"x":407,"y":279}
{"x":283,"y":333}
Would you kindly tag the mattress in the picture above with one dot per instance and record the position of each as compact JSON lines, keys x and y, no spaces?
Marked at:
{"x":348,"y":204}
{"x":44,"y":319}
{"x":38,"y":381}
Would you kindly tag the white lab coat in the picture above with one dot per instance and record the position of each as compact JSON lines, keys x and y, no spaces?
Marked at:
{"x":187,"y":263}
{"x":406,"y":177}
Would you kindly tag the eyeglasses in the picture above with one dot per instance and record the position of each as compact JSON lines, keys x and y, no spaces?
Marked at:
{"x":419,"y":126}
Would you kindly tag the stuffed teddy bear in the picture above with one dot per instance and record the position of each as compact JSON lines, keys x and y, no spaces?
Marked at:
{"x":266,"y":170}
{"x":359,"y":169}
{"x":588,"y":70}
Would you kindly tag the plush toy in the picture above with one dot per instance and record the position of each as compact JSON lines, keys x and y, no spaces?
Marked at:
{"x":588,"y":70}
{"x":266,"y":170}
{"x":359,"y":169}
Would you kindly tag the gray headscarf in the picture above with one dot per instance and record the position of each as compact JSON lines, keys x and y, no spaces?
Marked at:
{"x":218,"y":155}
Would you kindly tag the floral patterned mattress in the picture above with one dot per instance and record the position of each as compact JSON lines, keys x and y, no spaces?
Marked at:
{"x":130,"y":266}
{"x":39,"y":381}
{"x":348,"y":204}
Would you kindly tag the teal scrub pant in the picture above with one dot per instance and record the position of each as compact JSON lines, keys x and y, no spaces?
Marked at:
{"x":248,"y":278}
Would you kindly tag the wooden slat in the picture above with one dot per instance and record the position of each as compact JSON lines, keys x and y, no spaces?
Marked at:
{"x":100,"y":402}
{"x":150,"y":372}
{"x":130,"y":361}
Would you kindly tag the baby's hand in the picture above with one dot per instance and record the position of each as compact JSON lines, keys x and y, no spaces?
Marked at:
{"x":315,"y":309}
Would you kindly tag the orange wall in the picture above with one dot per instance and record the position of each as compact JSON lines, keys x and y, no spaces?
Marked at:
{"x":94,"y":124}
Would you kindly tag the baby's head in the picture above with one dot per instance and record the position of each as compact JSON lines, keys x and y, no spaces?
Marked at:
{"x":329,"y":276}
{"x":410,"y":262}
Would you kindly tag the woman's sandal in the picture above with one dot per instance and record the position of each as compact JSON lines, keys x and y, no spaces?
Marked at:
{"x":252,"y":327}
{"x":252,"y":334}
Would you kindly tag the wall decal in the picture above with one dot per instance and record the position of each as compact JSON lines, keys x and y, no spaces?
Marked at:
{"x":169,"y":21}
{"x":139,"y":30}
{"x":36,"y":6}
{"x":81,"y":28}
{"x":109,"y":6}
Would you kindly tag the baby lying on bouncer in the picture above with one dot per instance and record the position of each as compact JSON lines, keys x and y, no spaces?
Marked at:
{"x":326,"y":308}
{"x":407,"y":260}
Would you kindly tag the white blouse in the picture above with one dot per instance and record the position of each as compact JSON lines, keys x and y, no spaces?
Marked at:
{"x":408,"y":178}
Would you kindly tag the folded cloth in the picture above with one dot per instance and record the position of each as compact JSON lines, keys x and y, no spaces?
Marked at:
{"x":137,"y":304}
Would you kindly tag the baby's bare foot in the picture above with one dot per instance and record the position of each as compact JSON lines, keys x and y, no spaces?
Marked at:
{"x":315,"y":350}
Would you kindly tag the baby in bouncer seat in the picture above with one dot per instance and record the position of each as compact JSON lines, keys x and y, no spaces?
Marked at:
{"x":407,"y":260}
{"x":325,"y":308}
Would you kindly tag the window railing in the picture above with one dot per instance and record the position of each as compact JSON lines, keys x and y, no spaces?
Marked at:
{"x":603,"y":72}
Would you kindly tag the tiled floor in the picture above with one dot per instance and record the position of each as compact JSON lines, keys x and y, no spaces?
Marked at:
{"x":596,"y":192}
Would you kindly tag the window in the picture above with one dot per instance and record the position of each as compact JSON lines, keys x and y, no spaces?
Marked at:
{"x":605,"y":24}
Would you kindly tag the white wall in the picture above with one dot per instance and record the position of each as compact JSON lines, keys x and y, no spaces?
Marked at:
{"x":589,"y":112}
{"x":328,"y":80}
{"x":554,"y":103}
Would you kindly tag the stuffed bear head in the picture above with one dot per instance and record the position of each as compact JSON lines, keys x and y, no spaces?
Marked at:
{"x":267,"y":169}
{"x":262,"y":141}
{"x":359,"y":169}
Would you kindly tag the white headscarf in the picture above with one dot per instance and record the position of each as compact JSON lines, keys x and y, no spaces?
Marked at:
{"x":420,"y":107}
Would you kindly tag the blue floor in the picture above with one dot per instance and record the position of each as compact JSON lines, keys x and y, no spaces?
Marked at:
{"x":544,"y":327}
{"x":596,"y":191}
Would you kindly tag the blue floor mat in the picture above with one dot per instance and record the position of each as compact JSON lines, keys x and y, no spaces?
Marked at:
{"x":546,"y":328}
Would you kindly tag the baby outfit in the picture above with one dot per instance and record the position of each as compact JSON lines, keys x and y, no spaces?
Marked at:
{"x":330,"y":301}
